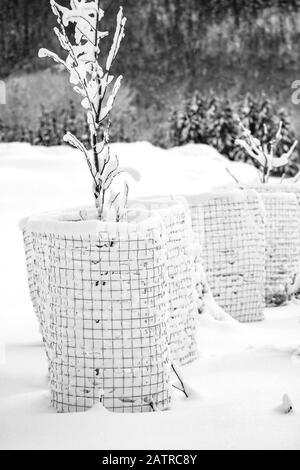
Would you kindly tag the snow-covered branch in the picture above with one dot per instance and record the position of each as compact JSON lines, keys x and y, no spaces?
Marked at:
{"x":264,"y":154}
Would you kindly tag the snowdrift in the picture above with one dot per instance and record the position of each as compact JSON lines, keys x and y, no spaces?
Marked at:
{"x":243,"y":372}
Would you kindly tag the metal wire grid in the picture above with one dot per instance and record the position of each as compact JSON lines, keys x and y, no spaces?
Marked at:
{"x":284,"y":187}
{"x":233,"y":251}
{"x":282,"y":245}
{"x":181,"y":269}
{"x":102,"y":308}
{"x":181,"y":285}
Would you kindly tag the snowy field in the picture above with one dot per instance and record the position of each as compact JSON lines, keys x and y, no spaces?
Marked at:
{"x":244,"y":370}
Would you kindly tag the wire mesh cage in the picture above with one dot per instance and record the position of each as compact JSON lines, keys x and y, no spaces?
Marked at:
{"x":282,"y":245}
{"x":284,"y":187}
{"x":99,"y":292}
{"x":183,"y":310}
{"x":231,"y":228}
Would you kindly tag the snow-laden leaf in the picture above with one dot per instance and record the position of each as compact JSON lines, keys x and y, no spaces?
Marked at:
{"x":118,"y":203}
{"x":79,"y":90}
{"x":112,"y":197}
{"x":284,"y":159}
{"x":69,"y":138}
{"x":279,"y":132}
{"x":71,"y":66}
{"x":265,"y":149}
{"x":85,"y":16}
{"x":107,"y":183}
{"x":280,"y":161}
{"x":81,"y":35}
{"x":85,"y":53}
{"x":255,"y":141}
{"x":100,"y":147}
{"x":83,"y":69}
{"x":64,"y":44}
{"x":98,"y":71}
{"x":111,"y":169}
{"x":111,"y":165}
{"x":54,"y":7}
{"x":105,"y":81}
{"x":91,"y":120}
{"x":259,"y":157}
{"x":119,"y":35}
{"x":135,"y":174}
{"x":111,"y":99}
{"x":45,"y":53}
{"x":93,"y":93}
{"x":74,"y":79}
{"x":103,"y":156}
{"x":85,"y":103}
{"x":72,"y":140}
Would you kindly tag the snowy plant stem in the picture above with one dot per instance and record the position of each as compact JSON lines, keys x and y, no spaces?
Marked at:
{"x":91,"y":82}
{"x":94,"y":135}
{"x":94,"y":146}
{"x":76,"y":65}
{"x":97,"y":23}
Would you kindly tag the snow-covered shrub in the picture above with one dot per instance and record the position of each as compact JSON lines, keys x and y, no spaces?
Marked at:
{"x":282,"y":215}
{"x":181,"y":273}
{"x":263,"y":119}
{"x":80,"y":36}
{"x":212,"y":120}
{"x":99,"y":284}
{"x":231,"y":229}
{"x":99,"y":291}
{"x":263,"y":153}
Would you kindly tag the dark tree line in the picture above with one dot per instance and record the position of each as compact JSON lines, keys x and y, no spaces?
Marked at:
{"x":165,"y":36}
{"x":172,"y":48}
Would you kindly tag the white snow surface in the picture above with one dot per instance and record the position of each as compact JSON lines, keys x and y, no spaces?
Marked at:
{"x":236,"y":387}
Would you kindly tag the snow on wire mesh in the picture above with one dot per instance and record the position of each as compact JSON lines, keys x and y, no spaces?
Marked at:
{"x":284,"y":187}
{"x":231,"y":229}
{"x":181,"y":274}
{"x":282,"y":245}
{"x":101,"y":302}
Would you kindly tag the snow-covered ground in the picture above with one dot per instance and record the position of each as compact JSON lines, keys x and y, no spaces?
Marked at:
{"x":243,"y":372}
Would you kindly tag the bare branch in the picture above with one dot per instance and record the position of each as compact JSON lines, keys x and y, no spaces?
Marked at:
{"x":232,"y":176}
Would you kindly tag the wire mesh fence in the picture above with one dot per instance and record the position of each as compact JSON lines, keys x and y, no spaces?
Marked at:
{"x":183,"y":309}
{"x":282,"y":245}
{"x":99,"y":292}
{"x":231,"y":228}
{"x":284,"y":187}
